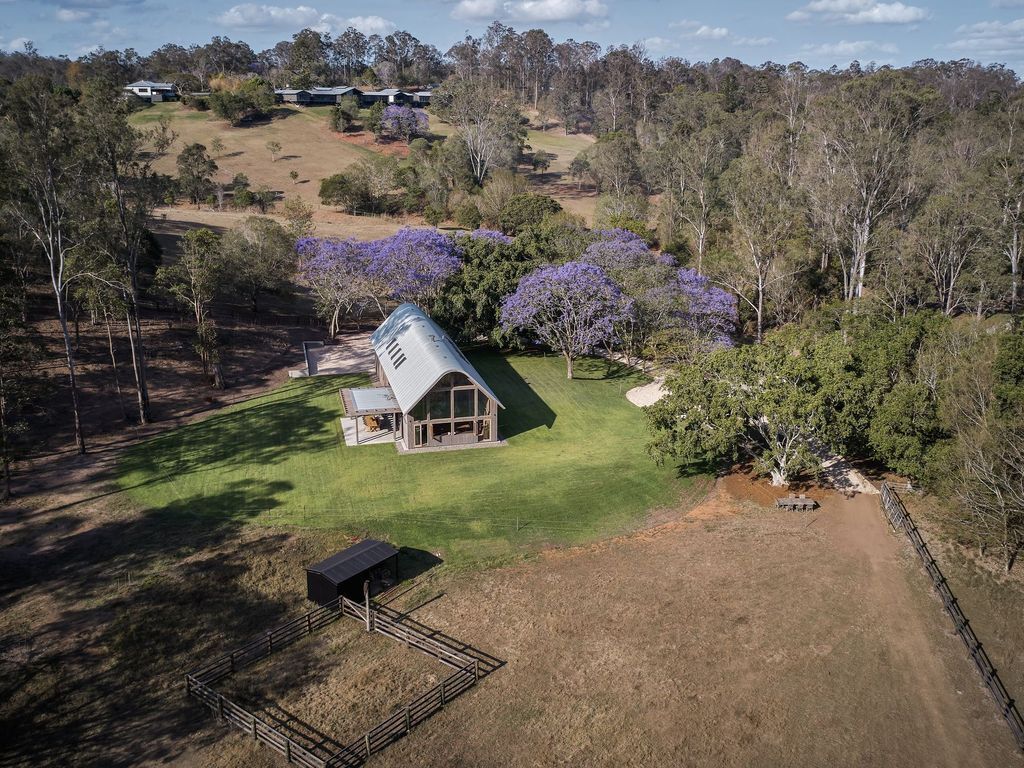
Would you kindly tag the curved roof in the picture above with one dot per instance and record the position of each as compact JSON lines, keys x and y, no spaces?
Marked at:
{"x":415,"y":353}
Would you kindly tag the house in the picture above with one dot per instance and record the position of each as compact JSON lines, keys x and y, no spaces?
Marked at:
{"x":387,"y":96}
{"x":421,"y":98}
{"x":344,"y":573}
{"x":317,"y":95}
{"x":152,"y":92}
{"x":428,"y":395}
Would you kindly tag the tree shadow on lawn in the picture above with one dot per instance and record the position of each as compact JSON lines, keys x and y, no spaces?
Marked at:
{"x":524,"y":410}
{"x":101,"y":684}
{"x":258,"y":435}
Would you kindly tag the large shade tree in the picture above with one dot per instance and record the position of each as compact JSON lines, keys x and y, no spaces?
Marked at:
{"x":572,"y":308}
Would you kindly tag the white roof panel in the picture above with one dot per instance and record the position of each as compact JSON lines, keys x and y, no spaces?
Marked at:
{"x":415,"y":353}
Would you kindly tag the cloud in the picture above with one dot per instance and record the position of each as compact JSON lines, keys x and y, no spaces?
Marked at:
{"x":859,"y":12}
{"x":16,"y":44}
{"x":849,"y":48}
{"x":251,"y":15}
{"x":991,"y":39}
{"x":70,"y":14}
{"x":531,"y":10}
{"x":697,"y":30}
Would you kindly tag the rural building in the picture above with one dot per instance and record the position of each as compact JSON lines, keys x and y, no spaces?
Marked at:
{"x":153,"y":92}
{"x":388,"y":96}
{"x":421,"y":98}
{"x":345,"y":572}
{"x":317,"y":95}
{"x":428,"y":395}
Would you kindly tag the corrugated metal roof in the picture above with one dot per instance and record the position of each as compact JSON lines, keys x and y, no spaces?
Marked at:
{"x":415,"y":353}
{"x":149,"y":84}
{"x":353,"y":561}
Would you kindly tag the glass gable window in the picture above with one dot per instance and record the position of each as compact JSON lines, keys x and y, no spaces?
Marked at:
{"x":419,"y":411}
{"x":440,"y":404}
{"x":464,"y":403}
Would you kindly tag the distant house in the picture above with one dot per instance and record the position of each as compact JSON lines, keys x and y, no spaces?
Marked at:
{"x":152,"y":92}
{"x":387,"y":96}
{"x":428,"y":395}
{"x":421,"y":98}
{"x":317,"y":95}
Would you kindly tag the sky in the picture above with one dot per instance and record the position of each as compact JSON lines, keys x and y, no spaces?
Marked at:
{"x":819,"y":33}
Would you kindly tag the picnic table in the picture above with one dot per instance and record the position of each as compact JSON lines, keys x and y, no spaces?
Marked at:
{"x":800,"y":502}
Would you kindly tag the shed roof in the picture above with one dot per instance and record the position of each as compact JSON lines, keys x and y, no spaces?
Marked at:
{"x":353,"y":561}
{"x":149,"y":84}
{"x":415,"y":353}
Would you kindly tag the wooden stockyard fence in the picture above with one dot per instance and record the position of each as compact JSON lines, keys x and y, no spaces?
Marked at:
{"x":900,"y":520}
{"x":468,"y":670}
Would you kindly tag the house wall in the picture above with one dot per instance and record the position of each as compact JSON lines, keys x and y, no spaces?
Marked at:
{"x":430,"y":423}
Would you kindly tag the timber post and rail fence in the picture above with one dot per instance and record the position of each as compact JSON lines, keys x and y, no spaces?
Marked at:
{"x":468,"y":670}
{"x":900,"y":520}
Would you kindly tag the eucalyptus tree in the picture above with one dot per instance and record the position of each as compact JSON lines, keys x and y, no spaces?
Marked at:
{"x":857,"y":159}
{"x":48,"y":179}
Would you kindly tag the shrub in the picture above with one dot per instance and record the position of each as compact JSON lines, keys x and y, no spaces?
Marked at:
{"x":525,"y":210}
{"x":468,"y":216}
{"x":434,"y":214}
{"x":339,"y":121}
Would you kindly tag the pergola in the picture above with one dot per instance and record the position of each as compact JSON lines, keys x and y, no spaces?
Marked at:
{"x":372,"y":402}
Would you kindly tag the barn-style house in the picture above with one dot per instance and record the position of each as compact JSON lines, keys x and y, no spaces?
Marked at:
{"x":428,"y":395}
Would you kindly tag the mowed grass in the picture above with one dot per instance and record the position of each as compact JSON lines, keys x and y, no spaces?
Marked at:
{"x":575,"y":466}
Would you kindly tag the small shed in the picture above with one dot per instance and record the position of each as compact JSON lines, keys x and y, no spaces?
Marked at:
{"x":345,"y":572}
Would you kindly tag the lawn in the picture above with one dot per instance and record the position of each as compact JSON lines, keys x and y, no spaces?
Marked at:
{"x":575,"y":466}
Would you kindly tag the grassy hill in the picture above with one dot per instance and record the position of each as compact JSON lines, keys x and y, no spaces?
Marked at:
{"x":307,"y":145}
{"x":311,"y":148}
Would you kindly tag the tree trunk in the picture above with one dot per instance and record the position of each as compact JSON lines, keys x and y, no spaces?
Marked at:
{"x":72,"y":377}
{"x":5,"y":461}
{"x":138,"y":364}
{"x":113,"y":365}
{"x":568,"y":366}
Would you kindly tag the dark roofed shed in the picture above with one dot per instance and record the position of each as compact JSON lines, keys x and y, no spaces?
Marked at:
{"x":343,"y":573}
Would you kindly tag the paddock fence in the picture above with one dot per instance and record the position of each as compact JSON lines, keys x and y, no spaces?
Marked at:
{"x":467,"y":673}
{"x":898,"y":517}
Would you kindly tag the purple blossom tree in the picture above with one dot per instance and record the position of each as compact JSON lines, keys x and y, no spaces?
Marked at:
{"x":338,"y":273}
{"x":490,"y":234}
{"x":708,"y":312}
{"x":413,"y":263}
{"x":615,"y":253}
{"x":404,"y":122}
{"x":572,"y":307}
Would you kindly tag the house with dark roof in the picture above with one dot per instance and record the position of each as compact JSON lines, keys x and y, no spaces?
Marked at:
{"x":151,"y":91}
{"x":317,"y":95}
{"x":387,"y":96}
{"x":427,"y":394}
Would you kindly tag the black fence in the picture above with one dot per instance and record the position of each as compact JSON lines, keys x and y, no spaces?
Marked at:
{"x":898,"y":517}
{"x":384,"y":621}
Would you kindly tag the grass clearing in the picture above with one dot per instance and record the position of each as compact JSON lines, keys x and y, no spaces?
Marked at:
{"x":575,"y":466}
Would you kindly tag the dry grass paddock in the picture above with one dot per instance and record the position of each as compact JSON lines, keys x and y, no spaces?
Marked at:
{"x":729,"y":635}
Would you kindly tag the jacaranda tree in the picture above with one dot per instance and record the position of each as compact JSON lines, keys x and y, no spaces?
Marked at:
{"x":572,"y":307}
{"x":404,"y":122}
{"x":414,"y":263}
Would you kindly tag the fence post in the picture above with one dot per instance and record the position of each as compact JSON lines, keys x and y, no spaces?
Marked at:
{"x":476,"y":670}
{"x":220,"y":706}
{"x":442,"y":693}
{"x":309,"y":625}
{"x":366,"y":598}
{"x":408,"y":720}
{"x":254,"y":728}
{"x":270,"y":642}
{"x":366,"y":742}
{"x":288,"y":750}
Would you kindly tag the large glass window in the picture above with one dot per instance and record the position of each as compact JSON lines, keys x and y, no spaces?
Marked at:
{"x":484,"y":404}
{"x":464,"y":403}
{"x":440,"y":404}
{"x":419,"y":411}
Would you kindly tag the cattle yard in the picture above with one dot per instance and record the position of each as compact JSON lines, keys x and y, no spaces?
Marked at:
{"x":294,"y":742}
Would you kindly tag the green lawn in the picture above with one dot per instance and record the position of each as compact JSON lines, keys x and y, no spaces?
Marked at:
{"x":575,"y":466}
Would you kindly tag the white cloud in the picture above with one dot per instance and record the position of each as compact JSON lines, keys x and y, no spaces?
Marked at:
{"x":754,"y":41}
{"x":860,"y":12}
{"x":849,"y":48}
{"x":72,"y":14}
{"x":253,"y":15}
{"x":477,"y":9}
{"x":697,"y":30}
{"x":16,"y":44}
{"x":531,"y":10}
{"x":658,"y":44}
{"x":991,"y":39}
